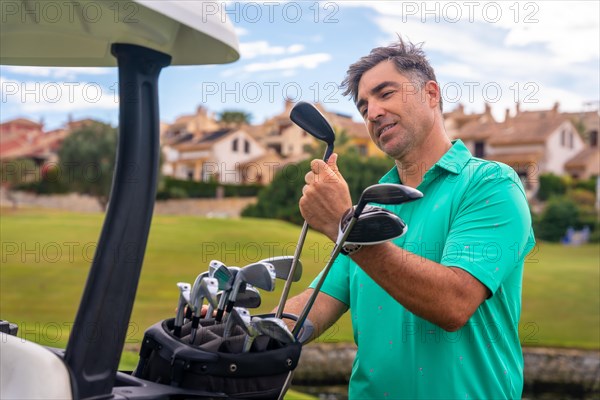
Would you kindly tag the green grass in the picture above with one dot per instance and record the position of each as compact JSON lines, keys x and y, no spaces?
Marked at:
{"x":45,"y":258}
{"x":561,"y":297}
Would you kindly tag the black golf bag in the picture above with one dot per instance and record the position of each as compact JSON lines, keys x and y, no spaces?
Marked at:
{"x":217,"y":365}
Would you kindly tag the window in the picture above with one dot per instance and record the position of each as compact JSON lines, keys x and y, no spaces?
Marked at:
{"x":479,"y":149}
{"x":362,"y":150}
{"x":563,"y":135}
{"x":570,"y":140}
{"x":593,"y":138}
{"x":234,"y":145}
{"x":246,"y":146}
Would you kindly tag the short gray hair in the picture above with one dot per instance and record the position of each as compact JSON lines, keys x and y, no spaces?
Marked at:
{"x":409,"y":59}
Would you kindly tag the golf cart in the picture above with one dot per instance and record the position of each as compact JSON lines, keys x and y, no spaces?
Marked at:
{"x":142,"y":37}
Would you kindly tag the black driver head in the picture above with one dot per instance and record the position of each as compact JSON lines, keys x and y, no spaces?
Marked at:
{"x":375,"y":225}
{"x":386,"y":193}
{"x":307,"y":117}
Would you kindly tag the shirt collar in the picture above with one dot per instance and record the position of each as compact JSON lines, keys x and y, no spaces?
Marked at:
{"x":453,"y":161}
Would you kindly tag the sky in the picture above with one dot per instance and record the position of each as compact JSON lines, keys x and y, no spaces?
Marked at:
{"x":499,"y":52}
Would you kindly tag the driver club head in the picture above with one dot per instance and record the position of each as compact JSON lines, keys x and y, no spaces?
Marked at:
{"x":309,"y":118}
{"x":386,"y":193}
{"x":375,"y":225}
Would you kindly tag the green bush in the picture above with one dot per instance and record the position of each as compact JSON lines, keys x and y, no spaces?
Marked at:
{"x":551,"y":185}
{"x":171,"y":188}
{"x":560,"y":213}
{"x":586,"y":184}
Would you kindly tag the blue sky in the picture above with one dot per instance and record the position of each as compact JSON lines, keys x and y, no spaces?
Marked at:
{"x":536,"y":52}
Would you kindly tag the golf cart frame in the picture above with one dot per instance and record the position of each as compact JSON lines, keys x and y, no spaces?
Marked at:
{"x":164,"y":32}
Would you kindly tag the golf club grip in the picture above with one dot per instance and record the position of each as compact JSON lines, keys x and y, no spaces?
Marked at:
{"x":195,"y":322}
{"x":219,"y":316}
{"x":177,"y":331}
{"x":230,"y":305}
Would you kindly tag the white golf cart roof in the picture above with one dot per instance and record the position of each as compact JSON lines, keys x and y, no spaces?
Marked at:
{"x":56,"y":33}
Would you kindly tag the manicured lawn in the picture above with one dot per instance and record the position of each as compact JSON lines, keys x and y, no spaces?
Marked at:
{"x":45,"y":258}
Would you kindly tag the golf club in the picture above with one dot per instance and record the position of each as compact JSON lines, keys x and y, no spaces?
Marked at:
{"x":283,"y":265}
{"x":375,"y":225}
{"x":385,"y":193}
{"x":238,"y":316}
{"x":307,"y":117}
{"x":274,"y":328}
{"x":260,"y":274}
{"x":184,"y":297}
{"x":219,"y":271}
{"x":225,"y":295}
{"x":206,"y":289}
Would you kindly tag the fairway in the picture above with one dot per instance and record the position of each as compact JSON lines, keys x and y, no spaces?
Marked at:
{"x":46,"y":257}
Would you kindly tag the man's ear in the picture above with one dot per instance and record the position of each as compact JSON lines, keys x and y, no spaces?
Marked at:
{"x":432,"y":90}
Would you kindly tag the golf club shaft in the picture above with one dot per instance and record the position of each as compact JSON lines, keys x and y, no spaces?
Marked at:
{"x":336,"y":251}
{"x":286,"y":385}
{"x":288,"y":282}
{"x":297,"y":253}
{"x":313,"y":297}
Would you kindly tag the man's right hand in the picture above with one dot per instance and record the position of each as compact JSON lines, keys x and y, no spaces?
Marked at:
{"x":325,"y":197}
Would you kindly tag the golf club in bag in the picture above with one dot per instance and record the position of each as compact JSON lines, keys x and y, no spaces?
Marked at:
{"x":241,"y":366}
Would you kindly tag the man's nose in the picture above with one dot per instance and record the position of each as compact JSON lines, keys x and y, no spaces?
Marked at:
{"x":374,"y":112}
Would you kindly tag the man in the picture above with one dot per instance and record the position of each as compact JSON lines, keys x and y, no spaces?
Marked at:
{"x":435,"y":313}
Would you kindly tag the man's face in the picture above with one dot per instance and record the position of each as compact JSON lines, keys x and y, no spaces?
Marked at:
{"x":398,"y":113}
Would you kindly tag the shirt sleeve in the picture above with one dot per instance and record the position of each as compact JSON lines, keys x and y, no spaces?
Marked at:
{"x":491,"y":233}
{"x":336,"y":282}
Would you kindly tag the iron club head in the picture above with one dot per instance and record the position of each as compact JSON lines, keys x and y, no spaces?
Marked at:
{"x":309,"y":118}
{"x":282,"y":265}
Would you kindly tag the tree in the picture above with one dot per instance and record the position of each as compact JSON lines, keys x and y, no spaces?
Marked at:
{"x":87,"y":160}
{"x":14,"y":173}
{"x":234,"y":117}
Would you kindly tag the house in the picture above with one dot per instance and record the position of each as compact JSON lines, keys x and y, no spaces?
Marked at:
{"x":228,"y":155}
{"x":292,"y":142}
{"x":586,"y":164}
{"x":17,"y":137}
{"x":196,"y":124}
{"x":531,"y":142}
{"x":455,"y":120}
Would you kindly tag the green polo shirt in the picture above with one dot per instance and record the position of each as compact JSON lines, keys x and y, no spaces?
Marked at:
{"x":474,"y":215}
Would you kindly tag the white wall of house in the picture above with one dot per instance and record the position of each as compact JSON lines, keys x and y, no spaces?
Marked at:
{"x":561,"y":147}
{"x":227,"y":160}
{"x":170,"y":156}
{"x":293,"y":141}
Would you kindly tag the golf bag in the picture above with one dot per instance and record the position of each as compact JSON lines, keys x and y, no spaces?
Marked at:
{"x":217,"y":365}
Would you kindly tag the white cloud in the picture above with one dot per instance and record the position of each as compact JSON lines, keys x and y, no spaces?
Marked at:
{"x":32,"y":97}
{"x":309,"y":61}
{"x":251,"y":50}
{"x":69,"y":73}
{"x":568,"y":30}
{"x":288,"y":66}
{"x":240,"y":31}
